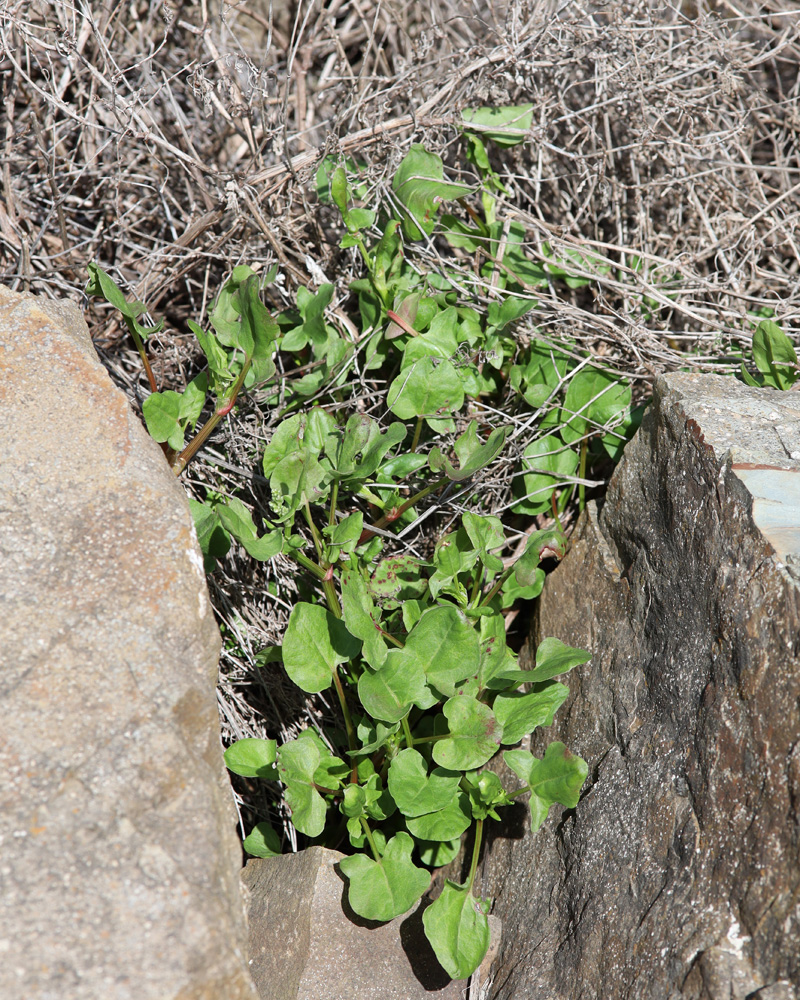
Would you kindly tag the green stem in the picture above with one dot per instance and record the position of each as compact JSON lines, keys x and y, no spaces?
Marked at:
{"x":407,"y":732}
{"x":476,"y":587}
{"x":397,"y":512}
{"x":391,"y":638}
{"x":582,"y":473}
{"x":417,"y":434}
{"x":331,"y":596}
{"x":140,"y":348}
{"x":476,"y":850}
{"x":370,"y":838}
{"x":498,"y":583}
{"x":200,"y":439}
{"x":309,"y":564}
{"x":348,"y":722}
{"x":334,"y":498}
{"x":314,"y":534}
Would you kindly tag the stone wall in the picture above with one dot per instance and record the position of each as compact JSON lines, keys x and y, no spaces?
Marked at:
{"x":119,"y":870}
{"x":678,"y":874}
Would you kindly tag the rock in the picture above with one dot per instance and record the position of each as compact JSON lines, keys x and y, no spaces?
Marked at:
{"x":306,"y":945}
{"x":678,"y":874}
{"x":119,"y":870}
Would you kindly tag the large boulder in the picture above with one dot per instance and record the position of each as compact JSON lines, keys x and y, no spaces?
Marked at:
{"x":119,"y":870}
{"x":678,"y":874}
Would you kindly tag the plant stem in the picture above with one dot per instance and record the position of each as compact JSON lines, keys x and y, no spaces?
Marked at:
{"x":476,"y":588}
{"x":417,"y":434}
{"x":348,"y":722}
{"x":397,"y":512}
{"x":554,"y":505}
{"x":476,"y":850}
{"x":309,"y":564}
{"x":334,"y":498}
{"x":200,"y":439}
{"x":370,"y":838}
{"x":582,"y":473}
{"x":140,"y":348}
{"x":314,"y":534}
{"x":331,"y":597}
{"x":407,"y":732}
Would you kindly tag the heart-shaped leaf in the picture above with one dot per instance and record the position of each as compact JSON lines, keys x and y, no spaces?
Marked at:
{"x":519,"y":714}
{"x":446,"y":823}
{"x":445,"y":647}
{"x":252,"y":758}
{"x":427,"y":388}
{"x":414,"y":790}
{"x":297,"y":764}
{"x":475,"y":734}
{"x":458,"y":929}
{"x":420,"y":187}
{"x":382,"y":890}
{"x":389,"y":692}
{"x":315,"y":642}
{"x":262,"y":841}
{"x":558,"y":777}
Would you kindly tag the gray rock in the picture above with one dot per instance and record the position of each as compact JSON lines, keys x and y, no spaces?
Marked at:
{"x":118,"y":858}
{"x":678,"y":874}
{"x":306,"y":943}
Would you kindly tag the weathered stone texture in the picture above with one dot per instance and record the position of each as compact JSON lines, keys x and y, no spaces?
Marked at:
{"x":678,"y":875}
{"x":118,"y":858}
{"x":306,"y":943}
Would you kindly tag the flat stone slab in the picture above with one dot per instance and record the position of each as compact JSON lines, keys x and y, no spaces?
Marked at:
{"x":118,"y":856}
{"x":306,"y":943}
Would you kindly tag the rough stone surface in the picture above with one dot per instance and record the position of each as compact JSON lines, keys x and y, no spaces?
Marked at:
{"x":118,"y":859}
{"x":306,"y":943}
{"x":678,"y":875}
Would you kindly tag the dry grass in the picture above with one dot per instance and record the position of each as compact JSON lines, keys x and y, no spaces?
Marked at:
{"x":172,"y":142}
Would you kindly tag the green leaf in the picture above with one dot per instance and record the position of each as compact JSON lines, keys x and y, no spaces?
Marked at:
{"x":486,"y":792}
{"x":315,"y":642}
{"x":213,"y":539}
{"x":549,"y":462}
{"x":504,"y":126}
{"x":362,"y":618}
{"x":429,"y":387}
{"x":593,"y":400}
{"x":473,"y":454}
{"x":445,"y":647}
{"x":519,"y":714}
{"x":774,"y":355}
{"x":475,"y":734}
{"x":104,"y":286}
{"x":297,"y":763}
{"x":553,"y":658}
{"x":262,"y":841}
{"x":542,"y":543}
{"x":382,"y":890}
{"x":438,"y":853}
{"x":457,"y":928}
{"x":446,"y":823}
{"x":258,"y":330}
{"x":420,"y":187}
{"x":373,"y":735}
{"x":388,"y":693}
{"x":557,"y":778}
{"x":238,"y":520}
{"x":162,"y":414}
{"x":252,"y":758}
{"x":486,"y":534}
{"x":415,"y":791}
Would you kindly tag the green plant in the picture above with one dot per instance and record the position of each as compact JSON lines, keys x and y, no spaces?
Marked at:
{"x":427,"y":688}
{"x":774,"y":356}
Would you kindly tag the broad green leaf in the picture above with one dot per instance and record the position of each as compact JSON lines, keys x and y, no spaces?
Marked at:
{"x":519,"y":714}
{"x":398,"y":577}
{"x":238,"y":520}
{"x":486,"y":534}
{"x":472,"y":453}
{"x":388,"y":693}
{"x":429,"y":387}
{"x":553,"y":657}
{"x":354,"y":802}
{"x":496,"y":657}
{"x":162,"y":414}
{"x":594,"y":399}
{"x":262,"y":841}
{"x":192,"y":399}
{"x":213,"y":539}
{"x":541,"y":544}
{"x":363,"y":448}
{"x":511,"y":591}
{"x":774,"y":355}
{"x":297,"y":763}
{"x":382,"y":890}
{"x":557,"y":778}
{"x":457,"y":928}
{"x":420,"y":187}
{"x":344,"y":535}
{"x":311,"y":433}
{"x":512,"y":307}
{"x":549,"y":462}
{"x":475,"y":734}
{"x":446,"y":823}
{"x":414,"y":790}
{"x":361,"y":617}
{"x":438,"y":853}
{"x":252,"y":758}
{"x":445,"y":647}
{"x":504,"y":126}
{"x":258,"y":331}
{"x":296,"y":479}
{"x":315,"y":642}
